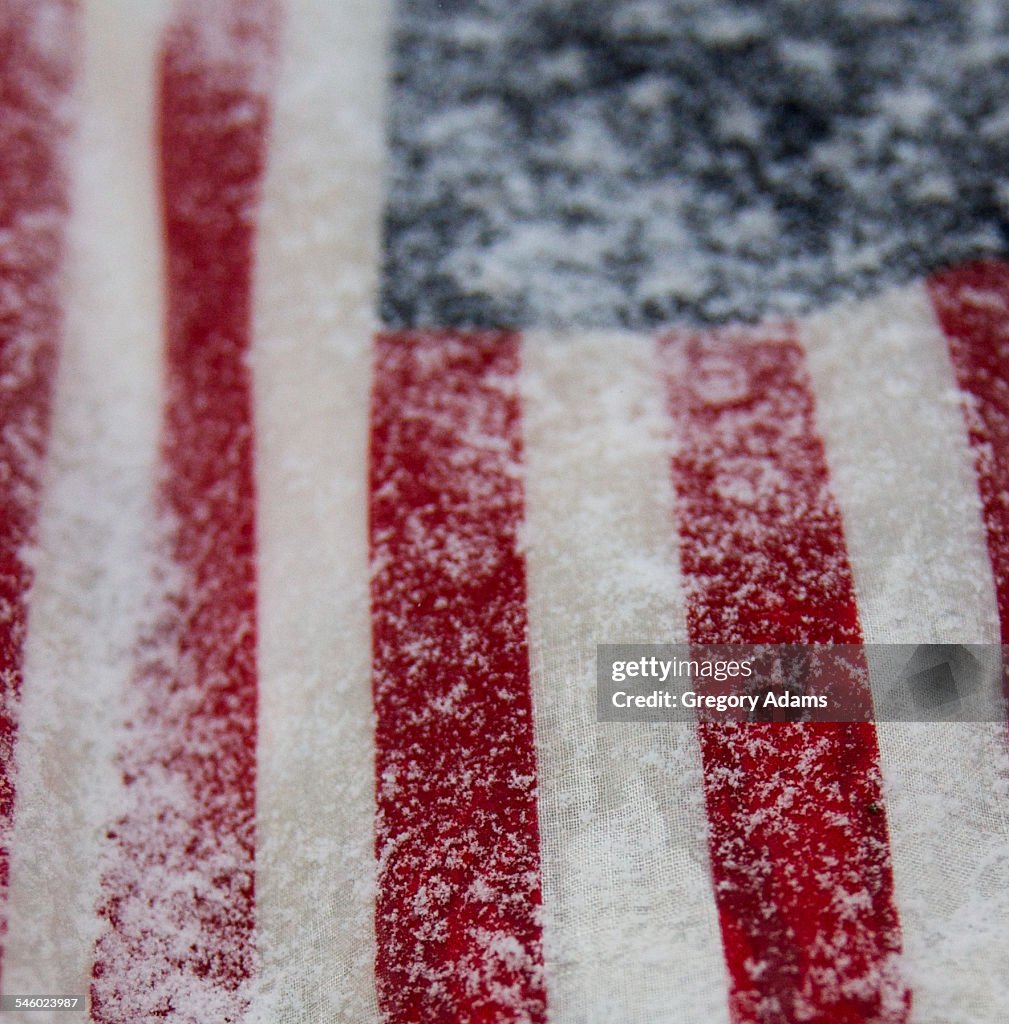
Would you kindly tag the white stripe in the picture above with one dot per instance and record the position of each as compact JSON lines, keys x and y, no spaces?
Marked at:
{"x":630,"y":926}
{"x":316,"y":281}
{"x":91,"y":564}
{"x":902,"y":473}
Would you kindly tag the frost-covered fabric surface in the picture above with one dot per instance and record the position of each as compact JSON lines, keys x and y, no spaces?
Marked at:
{"x":362,"y":367}
{"x":627,"y":164}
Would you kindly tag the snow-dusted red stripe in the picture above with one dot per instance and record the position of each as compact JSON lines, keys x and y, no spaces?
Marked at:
{"x":178,"y":892}
{"x":35,"y":78}
{"x":798,"y":835}
{"x":972,"y":304}
{"x":457,"y":908}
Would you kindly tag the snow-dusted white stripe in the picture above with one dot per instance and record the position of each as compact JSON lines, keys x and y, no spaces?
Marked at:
{"x":903,"y":476}
{"x":316,"y":274}
{"x":91,"y":566}
{"x":630,"y":925}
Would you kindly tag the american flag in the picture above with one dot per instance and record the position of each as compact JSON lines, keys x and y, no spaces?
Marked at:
{"x":363,"y":365}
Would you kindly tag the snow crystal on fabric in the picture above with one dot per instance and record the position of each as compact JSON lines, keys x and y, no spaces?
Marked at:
{"x":629,"y":164}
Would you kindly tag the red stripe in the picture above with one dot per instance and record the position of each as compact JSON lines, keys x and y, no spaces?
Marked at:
{"x":179,"y":897}
{"x":798,"y":838}
{"x":457,"y":913}
{"x":35,"y":78}
{"x":972,"y":304}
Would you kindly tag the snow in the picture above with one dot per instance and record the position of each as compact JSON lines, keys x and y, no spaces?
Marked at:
{"x":639,"y":164}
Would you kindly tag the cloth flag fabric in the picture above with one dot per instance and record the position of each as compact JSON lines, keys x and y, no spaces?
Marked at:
{"x":363,"y":366}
